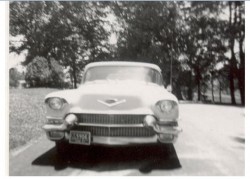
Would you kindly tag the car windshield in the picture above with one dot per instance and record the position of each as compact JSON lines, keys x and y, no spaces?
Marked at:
{"x":123,"y":73}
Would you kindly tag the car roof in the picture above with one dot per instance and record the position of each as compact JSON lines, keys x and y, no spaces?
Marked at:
{"x":123,"y":63}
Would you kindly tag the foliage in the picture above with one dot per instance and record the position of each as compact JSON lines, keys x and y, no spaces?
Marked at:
{"x":44,"y":73}
{"x":69,"y":32}
{"x":14,"y":77}
{"x":191,"y":34}
{"x":151,"y":33}
{"x":203,"y":36}
{"x":236,"y":33}
{"x":188,"y":40}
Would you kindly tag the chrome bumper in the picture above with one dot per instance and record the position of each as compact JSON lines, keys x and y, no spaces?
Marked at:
{"x":163,"y":134}
{"x":52,"y":127}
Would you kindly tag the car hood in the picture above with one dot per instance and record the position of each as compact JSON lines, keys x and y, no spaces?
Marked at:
{"x":114,"y":96}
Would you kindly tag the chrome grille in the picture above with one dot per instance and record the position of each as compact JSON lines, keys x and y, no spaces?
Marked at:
{"x":117,"y":131}
{"x":110,"y":119}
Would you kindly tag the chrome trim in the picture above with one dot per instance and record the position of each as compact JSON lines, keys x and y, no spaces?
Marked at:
{"x":53,"y":127}
{"x":71,"y":119}
{"x":167,"y":130}
{"x":121,"y":140}
{"x":117,"y":119}
{"x":151,"y":121}
{"x":51,"y":117}
{"x":110,"y":125}
{"x":165,"y":121}
{"x":129,"y":132}
{"x":112,"y":104}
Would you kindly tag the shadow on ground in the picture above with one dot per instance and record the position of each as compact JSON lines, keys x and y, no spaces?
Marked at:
{"x":239,"y":139}
{"x":143,"y":158}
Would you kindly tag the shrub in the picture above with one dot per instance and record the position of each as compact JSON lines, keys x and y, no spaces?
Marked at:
{"x":44,"y":73}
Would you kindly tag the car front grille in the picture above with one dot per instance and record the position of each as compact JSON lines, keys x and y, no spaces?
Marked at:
{"x":102,"y":125}
{"x":117,"y":131}
{"x":110,"y":119}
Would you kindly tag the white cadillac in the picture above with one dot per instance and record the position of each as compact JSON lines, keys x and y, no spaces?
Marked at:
{"x":117,"y":103}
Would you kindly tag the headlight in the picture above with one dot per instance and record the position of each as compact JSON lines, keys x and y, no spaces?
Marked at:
{"x":167,"y":110}
{"x":165,"y":106}
{"x":56,"y":103}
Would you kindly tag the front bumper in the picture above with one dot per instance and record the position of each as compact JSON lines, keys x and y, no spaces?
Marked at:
{"x":162,"y":133}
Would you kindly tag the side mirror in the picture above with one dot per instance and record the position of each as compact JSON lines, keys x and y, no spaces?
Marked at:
{"x":169,"y":88}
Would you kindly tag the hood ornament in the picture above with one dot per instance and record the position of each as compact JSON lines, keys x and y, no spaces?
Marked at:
{"x":111,"y":102}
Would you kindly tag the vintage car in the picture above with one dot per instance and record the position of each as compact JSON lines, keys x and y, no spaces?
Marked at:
{"x":117,"y":103}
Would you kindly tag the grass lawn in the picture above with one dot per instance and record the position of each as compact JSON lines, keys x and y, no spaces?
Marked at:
{"x":26,"y":115}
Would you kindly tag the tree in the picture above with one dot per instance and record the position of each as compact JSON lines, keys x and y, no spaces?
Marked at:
{"x":203,"y":41}
{"x":188,"y":40}
{"x":29,"y":21}
{"x":69,"y":32}
{"x":44,"y":73}
{"x":236,"y":34}
{"x":182,"y":33}
{"x":85,"y":42}
{"x":240,"y":7}
{"x":232,"y":62}
{"x":150,"y":33}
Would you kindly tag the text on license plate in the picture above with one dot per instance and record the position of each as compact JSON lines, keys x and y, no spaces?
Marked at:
{"x":79,"y":137}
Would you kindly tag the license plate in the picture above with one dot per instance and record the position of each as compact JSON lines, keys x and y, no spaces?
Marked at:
{"x":79,"y":137}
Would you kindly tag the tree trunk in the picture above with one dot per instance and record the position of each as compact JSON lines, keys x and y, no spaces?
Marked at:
{"x":198,"y":82}
{"x":190,"y":87}
{"x":241,"y":74}
{"x":212,"y":86}
{"x":71,"y":78}
{"x":233,"y":59}
{"x":199,"y":90}
{"x":241,"y":83}
{"x":232,"y":88}
{"x":241,"y":71}
{"x":241,"y":77}
{"x":74,"y":74}
{"x":220,"y":91}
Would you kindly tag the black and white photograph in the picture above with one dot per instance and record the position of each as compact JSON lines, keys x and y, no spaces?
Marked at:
{"x":126,"y":88}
